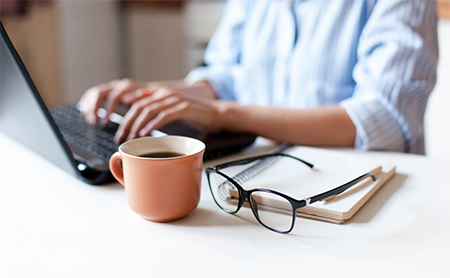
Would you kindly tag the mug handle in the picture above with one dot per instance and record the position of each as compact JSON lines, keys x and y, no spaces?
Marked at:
{"x":115,"y":166}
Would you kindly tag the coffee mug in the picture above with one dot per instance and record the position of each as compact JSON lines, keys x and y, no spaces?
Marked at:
{"x":161,"y":175}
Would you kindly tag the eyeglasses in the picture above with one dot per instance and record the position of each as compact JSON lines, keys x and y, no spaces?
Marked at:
{"x":230,"y":196}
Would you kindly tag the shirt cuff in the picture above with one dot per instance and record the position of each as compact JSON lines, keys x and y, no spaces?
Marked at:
{"x":376,"y":128}
{"x":220,"y":80}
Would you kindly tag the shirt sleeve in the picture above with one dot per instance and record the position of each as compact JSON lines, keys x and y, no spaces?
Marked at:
{"x":222,"y":56}
{"x":394,"y":75}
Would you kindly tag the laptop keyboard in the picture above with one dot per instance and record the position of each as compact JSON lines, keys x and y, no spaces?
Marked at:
{"x":96,"y":141}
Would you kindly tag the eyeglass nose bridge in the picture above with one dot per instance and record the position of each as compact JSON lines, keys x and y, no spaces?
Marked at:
{"x":246,"y":195}
{"x":243,"y":195}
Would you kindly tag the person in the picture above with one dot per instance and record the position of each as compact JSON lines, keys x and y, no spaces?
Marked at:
{"x":318,"y":73}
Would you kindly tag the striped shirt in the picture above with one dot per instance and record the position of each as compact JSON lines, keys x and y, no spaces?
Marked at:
{"x":377,"y":59}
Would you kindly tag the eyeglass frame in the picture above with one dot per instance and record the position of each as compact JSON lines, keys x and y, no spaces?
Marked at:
{"x":296,"y":203}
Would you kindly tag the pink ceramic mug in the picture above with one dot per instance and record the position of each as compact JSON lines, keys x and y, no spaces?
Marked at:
{"x":160,"y":189}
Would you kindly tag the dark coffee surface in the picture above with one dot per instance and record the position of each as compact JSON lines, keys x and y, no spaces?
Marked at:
{"x":161,"y":155}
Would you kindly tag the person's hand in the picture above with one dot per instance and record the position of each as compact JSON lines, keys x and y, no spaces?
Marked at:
{"x":164,"y":105}
{"x":109,"y":95}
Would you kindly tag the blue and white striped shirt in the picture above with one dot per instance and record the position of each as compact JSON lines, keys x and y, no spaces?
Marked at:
{"x":377,"y":59}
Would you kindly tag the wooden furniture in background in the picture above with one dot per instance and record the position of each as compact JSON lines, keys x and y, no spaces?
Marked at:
{"x":158,"y":4}
{"x":444,"y":9}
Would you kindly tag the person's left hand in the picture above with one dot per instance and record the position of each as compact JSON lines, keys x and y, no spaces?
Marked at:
{"x":163,"y":106}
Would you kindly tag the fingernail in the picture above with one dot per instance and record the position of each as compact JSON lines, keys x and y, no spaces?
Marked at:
{"x":144,"y":131}
{"x":130,"y":137}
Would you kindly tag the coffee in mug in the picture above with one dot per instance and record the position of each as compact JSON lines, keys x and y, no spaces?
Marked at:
{"x":161,"y":154}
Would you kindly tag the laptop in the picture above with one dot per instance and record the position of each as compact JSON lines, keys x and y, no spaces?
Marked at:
{"x":61,"y":134}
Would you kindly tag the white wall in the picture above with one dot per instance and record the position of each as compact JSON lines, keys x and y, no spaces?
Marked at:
{"x":155,"y":43}
{"x":437,"y":115}
{"x":165,"y":44}
{"x":201,"y":20}
{"x":90,"y":45}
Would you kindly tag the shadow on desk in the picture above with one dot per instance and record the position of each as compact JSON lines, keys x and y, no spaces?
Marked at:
{"x":208,"y":217}
{"x":371,"y":208}
{"x":110,"y":186}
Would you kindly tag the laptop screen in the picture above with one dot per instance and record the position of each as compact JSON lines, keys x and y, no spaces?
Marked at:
{"x":23,"y":114}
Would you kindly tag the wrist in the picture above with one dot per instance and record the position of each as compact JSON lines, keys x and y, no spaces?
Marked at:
{"x":227,"y":115}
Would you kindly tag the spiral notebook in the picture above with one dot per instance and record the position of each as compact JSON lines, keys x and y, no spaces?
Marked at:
{"x":331,"y":169}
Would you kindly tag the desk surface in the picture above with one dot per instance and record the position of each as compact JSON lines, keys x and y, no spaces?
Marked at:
{"x":57,"y":226}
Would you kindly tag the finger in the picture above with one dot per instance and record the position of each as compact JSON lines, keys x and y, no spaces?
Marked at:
{"x":129,"y":118}
{"x":92,"y":100}
{"x":150,"y":112}
{"x":163,"y":92}
{"x":144,"y":92}
{"x":134,"y":96}
{"x":158,"y":100}
{"x":112,"y":100}
{"x":129,"y":98}
{"x":176,"y":112}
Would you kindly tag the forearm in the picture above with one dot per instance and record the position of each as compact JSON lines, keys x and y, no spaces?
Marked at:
{"x":322,"y":126}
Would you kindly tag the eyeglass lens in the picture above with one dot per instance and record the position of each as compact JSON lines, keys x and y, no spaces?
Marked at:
{"x":273,"y":211}
{"x":224,"y":192}
{"x":226,"y":195}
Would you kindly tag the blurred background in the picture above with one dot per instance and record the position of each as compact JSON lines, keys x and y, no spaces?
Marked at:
{"x":69,"y":46}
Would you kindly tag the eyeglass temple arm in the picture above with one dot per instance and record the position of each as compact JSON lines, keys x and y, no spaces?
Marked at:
{"x":254,"y":158}
{"x":338,"y":190}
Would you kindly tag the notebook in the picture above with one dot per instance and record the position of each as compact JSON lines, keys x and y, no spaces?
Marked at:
{"x":332,"y":168}
{"x":62,"y":136}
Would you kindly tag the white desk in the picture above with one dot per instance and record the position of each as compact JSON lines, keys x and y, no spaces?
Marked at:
{"x":52,"y":225}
